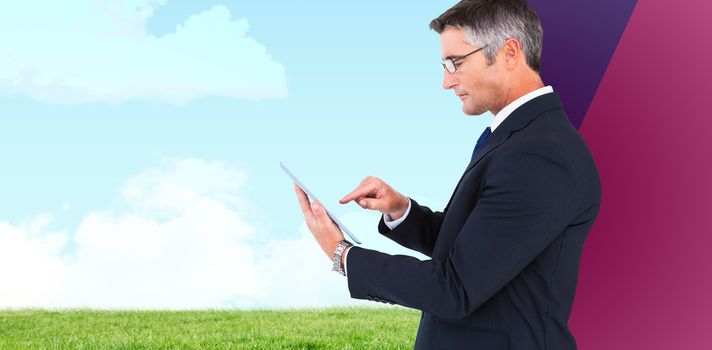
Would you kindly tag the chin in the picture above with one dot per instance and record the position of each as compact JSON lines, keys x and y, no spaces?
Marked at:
{"x":471,"y":110}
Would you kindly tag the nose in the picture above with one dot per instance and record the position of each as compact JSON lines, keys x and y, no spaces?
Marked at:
{"x":449,"y":80}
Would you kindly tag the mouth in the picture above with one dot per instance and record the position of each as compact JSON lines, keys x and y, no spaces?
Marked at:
{"x":461,"y":96}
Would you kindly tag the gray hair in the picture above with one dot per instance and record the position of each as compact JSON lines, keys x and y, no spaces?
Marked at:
{"x":491,"y":22}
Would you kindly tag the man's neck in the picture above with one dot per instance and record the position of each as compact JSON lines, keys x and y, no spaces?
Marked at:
{"x":517,"y":90}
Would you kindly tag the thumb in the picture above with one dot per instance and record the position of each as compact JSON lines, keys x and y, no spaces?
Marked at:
{"x":368,"y":203}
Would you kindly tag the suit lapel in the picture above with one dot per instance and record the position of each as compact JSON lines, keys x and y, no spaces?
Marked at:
{"x":519,"y":119}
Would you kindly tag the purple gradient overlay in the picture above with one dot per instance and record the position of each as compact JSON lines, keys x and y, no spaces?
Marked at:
{"x":579,"y":40}
{"x":646,"y":273}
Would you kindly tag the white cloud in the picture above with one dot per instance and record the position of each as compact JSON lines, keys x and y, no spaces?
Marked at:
{"x":177,"y":240}
{"x":296,"y":273}
{"x":98,"y":51}
{"x":30,"y":272}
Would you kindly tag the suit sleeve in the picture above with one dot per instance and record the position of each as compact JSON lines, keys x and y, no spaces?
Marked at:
{"x":526,"y":202}
{"x":418,"y":231}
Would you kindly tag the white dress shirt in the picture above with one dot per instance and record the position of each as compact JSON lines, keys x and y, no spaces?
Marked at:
{"x":498,"y":119}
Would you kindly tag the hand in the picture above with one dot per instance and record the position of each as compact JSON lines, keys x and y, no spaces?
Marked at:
{"x":372,"y":193}
{"x":326,"y":232}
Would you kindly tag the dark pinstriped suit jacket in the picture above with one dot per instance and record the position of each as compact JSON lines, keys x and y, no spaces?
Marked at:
{"x":505,"y":251}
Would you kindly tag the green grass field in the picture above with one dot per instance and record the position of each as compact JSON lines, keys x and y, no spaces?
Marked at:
{"x":339,"y":328}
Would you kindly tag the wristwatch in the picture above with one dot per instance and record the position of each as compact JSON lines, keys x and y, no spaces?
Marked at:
{"x":337,"y":257}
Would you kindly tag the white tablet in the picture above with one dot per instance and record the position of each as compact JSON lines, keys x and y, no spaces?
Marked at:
{"x":299,"y":183}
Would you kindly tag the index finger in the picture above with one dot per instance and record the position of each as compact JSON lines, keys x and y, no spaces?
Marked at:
{"x":362,"y":190}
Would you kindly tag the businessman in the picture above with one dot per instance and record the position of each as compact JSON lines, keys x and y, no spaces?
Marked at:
{"x":505,"y":250}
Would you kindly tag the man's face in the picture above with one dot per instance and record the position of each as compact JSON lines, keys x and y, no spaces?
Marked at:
{"x":474,"y":82}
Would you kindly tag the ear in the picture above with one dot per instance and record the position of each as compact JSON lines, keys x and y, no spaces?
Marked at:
{"x":513,"y":53}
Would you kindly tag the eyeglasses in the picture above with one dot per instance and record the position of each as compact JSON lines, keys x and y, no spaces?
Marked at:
{"x":450,"y":62}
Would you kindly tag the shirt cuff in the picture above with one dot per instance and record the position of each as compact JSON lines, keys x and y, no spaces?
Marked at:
{"x":393,"y":223}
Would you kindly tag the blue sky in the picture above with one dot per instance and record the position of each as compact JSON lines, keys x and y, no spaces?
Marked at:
{"x":336,"y":90}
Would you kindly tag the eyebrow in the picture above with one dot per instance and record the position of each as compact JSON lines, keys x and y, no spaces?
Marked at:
{"x":453,"y":57}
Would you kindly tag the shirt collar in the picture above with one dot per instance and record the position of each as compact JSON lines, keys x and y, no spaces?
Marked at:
{"x":508,"y":109}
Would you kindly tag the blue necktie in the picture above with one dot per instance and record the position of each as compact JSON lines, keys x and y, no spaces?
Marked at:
{"x":480,"y":142}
